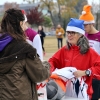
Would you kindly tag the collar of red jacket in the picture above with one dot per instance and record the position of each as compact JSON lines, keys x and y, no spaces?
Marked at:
{"x":74,"y":47}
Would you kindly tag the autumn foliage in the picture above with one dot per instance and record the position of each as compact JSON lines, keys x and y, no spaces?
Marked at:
{"x":34,"y":16}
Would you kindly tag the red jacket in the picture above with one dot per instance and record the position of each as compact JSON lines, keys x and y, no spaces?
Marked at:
{"x":73,"y":57}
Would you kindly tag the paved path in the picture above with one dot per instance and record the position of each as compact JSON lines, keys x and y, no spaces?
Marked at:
{"x":47,"y":56}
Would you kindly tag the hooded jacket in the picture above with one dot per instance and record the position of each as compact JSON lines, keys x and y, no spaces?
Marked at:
{"x":73,"y":58}
{"x":20,"y":70}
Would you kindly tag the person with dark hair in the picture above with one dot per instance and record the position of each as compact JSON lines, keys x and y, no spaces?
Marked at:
{"x":42,"y":35}
{"x":76,"y":63}
{"x":20,"y":66}
{"x":33,"y":37}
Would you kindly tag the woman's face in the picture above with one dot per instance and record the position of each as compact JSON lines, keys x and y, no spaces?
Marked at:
{"x":23,"y":25}
{"x":88,"y":28}
{"x":40,"y":27}
{"x":73,"y":37}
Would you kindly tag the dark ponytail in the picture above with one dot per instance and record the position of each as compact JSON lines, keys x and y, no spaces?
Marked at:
{"x":10,"y":24}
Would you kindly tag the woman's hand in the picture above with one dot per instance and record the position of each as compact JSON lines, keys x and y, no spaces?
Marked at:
{"x":40,"y":34}
{"x":79,"y":73}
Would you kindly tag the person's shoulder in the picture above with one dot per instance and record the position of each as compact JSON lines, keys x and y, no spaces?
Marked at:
{"x":64,"y":48}
{"x":98,"y":33}
{"x":97,"y":36}
{"x":26,"y":48}
{"x":19,"y":47}
{"x":31,"y":30}
{"x":92,"y":51}
{"x":62,"y":28}
{"x":21,"y":44}
{"x":56,"y":29}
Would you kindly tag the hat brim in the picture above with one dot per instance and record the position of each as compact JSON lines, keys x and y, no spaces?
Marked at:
{"x":89,"y":22}
{"x":75,"y":29}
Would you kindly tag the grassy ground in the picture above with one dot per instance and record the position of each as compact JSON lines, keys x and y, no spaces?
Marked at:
{"x":50,"y":45}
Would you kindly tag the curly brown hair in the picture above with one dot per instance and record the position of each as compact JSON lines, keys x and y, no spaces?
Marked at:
{"x":10,"y":24}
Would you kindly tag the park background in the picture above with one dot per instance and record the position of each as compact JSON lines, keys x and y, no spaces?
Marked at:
{"x":49,"y":13}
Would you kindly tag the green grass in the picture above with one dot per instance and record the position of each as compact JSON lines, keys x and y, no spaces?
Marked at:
{"x":50,"y":44}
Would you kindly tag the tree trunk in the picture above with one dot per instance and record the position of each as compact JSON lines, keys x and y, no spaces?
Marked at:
{"x":97,"y":20}
{"x":59,"y":14}
{"x":51,"y":15}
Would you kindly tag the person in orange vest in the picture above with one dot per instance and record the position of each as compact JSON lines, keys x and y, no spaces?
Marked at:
{"x":60,"y":34}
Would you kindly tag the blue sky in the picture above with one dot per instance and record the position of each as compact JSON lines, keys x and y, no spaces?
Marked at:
{"x":21,"y":1}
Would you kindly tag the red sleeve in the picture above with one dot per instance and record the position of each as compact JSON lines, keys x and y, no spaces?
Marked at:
{"x":95,"y":69}
{"x":55,"y":60}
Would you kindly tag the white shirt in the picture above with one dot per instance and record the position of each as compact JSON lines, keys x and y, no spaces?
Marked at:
{"x":37,"y":44}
